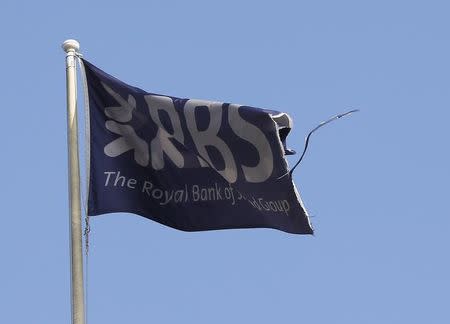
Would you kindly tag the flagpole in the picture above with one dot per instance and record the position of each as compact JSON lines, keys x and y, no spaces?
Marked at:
{"x":71,"y":47}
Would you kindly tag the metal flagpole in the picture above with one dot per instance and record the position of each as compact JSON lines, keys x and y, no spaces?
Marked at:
{"x":71,"y":47}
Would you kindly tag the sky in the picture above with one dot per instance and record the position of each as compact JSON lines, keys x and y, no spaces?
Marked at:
{"x":375,"y":183}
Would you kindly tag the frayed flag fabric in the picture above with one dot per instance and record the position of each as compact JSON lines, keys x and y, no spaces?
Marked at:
{"x":190,"y":164}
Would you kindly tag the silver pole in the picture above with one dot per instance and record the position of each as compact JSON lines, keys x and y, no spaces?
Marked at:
{"x":71,"y":47}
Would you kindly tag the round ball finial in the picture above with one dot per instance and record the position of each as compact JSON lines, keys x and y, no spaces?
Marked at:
{"x":71,"y":45}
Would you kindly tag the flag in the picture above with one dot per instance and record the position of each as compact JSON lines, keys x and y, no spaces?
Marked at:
{"x":189,"y":164}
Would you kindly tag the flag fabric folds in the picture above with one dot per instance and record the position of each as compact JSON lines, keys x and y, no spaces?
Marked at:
{"x":189,"y":164}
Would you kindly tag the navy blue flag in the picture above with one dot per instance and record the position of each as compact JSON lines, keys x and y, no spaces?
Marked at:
{"x":190,"y":164}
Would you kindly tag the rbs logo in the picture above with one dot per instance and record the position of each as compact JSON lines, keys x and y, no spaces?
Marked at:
{"x":152,"y":153}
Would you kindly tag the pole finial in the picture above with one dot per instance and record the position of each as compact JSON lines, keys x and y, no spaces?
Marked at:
{"x":71,"y":45}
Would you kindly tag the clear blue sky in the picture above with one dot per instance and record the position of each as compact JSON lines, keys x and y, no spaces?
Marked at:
{"x":377,"y":183}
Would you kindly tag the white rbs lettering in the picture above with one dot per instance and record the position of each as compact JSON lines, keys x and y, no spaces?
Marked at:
{"x":209,"y":137}
{"x":252,"y":134}
{"x":161,"y":143}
